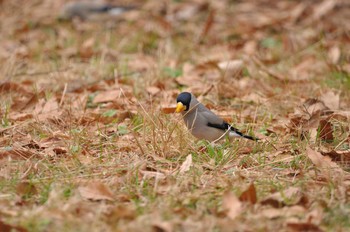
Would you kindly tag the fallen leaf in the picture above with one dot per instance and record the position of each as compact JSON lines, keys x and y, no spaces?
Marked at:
{"x":96,"y":191}
{"x":4,"y":227}
{"x":302,"y":227}
{"x":331,"y":100}
{"x":121,"y":211}
{"x":231,"y":204}
{"x":185,"y":166}
{"x":168,"y":110}
{"x":320,"y":161}
{"x":293,"y":196}
{"x":188,"y":80}
{"x":231,"y":68}
{"x":323,"y":8}
{"x":163,"y":226}
{"x":334,"y":54}
{"x":13,"y":87}
{"x":16,"y":153}
{"x":340,"y":156}
{"x":249,"y":195}
{"x":326,"y":130}
{"x":324,"y":163}
{"x":153,"y":90}
{"x":86,"y":50}
{"x":26,"y":188}
{"x":107,"y":96}
{"x":45,"y":109}
{"x":312,"y":105}
{"x":295,"y":210}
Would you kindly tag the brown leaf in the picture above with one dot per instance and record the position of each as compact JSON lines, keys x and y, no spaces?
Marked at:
{"x":121,"y":211}
{"x":86,"y":50}
{"x":326,"y":130}
{"x":312,"y":122}
{"x":16,"y":153}
{"x":153,"y":90}
{"x":249,"y":195}
{"x":302,"y":227}
{"x":231,"y":68}
{"x":162,"y":226}
{"x":96,"y":191}
{"x":340,"y":156}
{"x":168,"y":110}
{"x":12,"y":87}
{"x":312,"y":105}
{"x":45,"y":109}
{"x":331,"y":100}
{"x":320,"y":161}
{"x":107,"y":96}
{"x":323,"y":8}
{"x":295,"y":210}
{"x":4,"y":227}
{"x":334,"y":54}
{"x":278,"y":199}
{"x":15,"y":116}
{"x":188,"y":80}
{"x":231,"y":205}
{"x":25,"y":188}
{"x":186,"y":165}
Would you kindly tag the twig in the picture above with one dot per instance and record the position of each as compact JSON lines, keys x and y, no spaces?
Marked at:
{"x":63,"y":94}
{"x":267,"y":70}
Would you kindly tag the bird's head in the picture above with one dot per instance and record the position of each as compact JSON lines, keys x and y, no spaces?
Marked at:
{"x":183,"y":102}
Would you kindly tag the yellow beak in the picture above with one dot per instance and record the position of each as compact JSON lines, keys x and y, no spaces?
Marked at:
{"x":180,"y":107}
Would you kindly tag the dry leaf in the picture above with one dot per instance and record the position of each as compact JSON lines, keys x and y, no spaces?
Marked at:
{"x":153,"y":90}
{"x":311,"y":106}
{"x":326,"y":130}
{"x":340,"y":156}
{"x":231,"y":204}
{"x":185,"y":166}
{"x":121,"y":211}
{"x":295,"y":210}
{"x":249,"y":195}
{"x":168,"y":110}
{"x":25,"y":188}
{"x":320,"y":161}
{"x":163,"y":226}
{"x":302,"y":227}
{"x":107,"y":96}
{"x":331,"y":100}
{"x":334,"y":54}
{"x":323,"y":8}
{"x":4,"y":227}
{"x":13,"y":87}
{"x":278,"y":199}
{"x":231,"y":68}
{"x":46,"y":109}
{"x":96,"y":191}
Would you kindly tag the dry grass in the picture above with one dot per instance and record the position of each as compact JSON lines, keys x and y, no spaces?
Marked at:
{"x":86,"y":145}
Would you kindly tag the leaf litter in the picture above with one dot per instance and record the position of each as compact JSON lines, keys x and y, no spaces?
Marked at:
{"x":89,"y":139}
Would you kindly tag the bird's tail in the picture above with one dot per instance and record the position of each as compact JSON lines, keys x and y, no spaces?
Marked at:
{"x":236,"y":133}
{"x":250,"y":137}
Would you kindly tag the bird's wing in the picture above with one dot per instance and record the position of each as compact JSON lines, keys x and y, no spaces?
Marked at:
{"x":215,"y":121}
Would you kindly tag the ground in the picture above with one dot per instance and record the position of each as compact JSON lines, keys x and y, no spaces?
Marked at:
{"x":89,"y":140}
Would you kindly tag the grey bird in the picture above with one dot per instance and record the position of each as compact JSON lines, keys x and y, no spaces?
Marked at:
{"x":203,"y":123}
{"x":88,"y":9}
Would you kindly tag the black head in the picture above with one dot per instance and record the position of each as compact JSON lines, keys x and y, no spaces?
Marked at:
{"x":185,"y":99}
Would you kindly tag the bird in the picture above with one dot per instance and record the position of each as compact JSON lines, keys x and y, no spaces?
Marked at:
{"x":202,"y":122}
{"x":87,"y":9}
